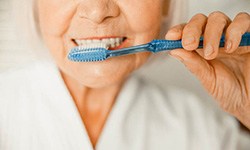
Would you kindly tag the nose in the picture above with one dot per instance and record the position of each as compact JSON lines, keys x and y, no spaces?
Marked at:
{"x":98,"y":10}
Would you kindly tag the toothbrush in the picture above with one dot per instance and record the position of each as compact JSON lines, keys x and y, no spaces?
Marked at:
{"x":100,"y":52}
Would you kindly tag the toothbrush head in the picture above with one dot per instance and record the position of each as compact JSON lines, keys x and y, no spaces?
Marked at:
{"x":97,"y":54}
{"x":89,"y":53}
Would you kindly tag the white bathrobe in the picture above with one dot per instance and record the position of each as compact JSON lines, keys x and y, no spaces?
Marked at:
{"x":38,"y":113}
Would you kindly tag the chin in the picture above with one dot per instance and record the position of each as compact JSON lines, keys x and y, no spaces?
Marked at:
{"x":103,"y":82}
{"x":101,"y":79}
{"x":110,"y":72}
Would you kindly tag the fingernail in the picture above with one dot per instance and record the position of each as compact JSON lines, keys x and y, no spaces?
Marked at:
{"x":189,"y":40}
{"x":228,"y":46}
{"x":208,"y":50}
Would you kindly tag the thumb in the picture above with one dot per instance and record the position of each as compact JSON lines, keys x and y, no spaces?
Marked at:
{"x":196,"y":64}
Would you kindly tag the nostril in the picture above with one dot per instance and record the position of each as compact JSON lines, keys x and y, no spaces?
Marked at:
{"x":98,"y":11}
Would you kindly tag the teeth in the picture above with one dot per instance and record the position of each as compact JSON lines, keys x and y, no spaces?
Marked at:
{"x":96,"y":41}
{"x":117,"y":44}
{"x":88,"y":41}
{"x":105,"y":40}
{"x":112,"y":42}
{"x":93,"y":46}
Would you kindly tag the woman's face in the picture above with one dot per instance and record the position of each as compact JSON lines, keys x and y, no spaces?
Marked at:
{"x":64,"y":22}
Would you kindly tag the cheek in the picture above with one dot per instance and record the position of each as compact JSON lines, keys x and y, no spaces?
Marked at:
{"x":151,"y":10}
{"x":55,"y":16}
{"x":54,"y":20}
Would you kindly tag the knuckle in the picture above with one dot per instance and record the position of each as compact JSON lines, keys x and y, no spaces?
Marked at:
{"x":178,"y":27}
{"x":175,"y":29}
{"x":192,"y":29}
{"x":223,"y":21}
{"x":200,"y":15}
{"x":198,"y":18}
{"x":243,"y":18}
{"x":243,"y":14}
{"x":236,"y":31}
{"x":189,"y":27}
{"x":218,"y":18}
{"x":216,"y":14}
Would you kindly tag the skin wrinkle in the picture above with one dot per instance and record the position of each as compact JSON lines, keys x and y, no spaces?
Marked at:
{"x":237,"y":104}
{"x":247,"y":83}
{"x":243,"y":86}
{"x":229,"y":67}
{"x":233,"y":105}
{"x":94,"y":86}
{"x":213,"y":85}
{"x":244,"y":90}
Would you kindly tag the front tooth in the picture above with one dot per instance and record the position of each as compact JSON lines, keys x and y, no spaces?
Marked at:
{"x":118,"y":44}
{"x":105,"y":40}
{"x":120,"y":40}
{"x":96,"y":41}
{"x":78,"y":42}
{"x":112,"y":40}
{"x":88,"y":41}
{"x":117,"y":40}
{"x":83,"y":42}
{"x":112,"y":45}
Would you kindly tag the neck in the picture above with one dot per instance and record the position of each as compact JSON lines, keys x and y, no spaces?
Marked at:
{"x":86,"y":97}
{"x":94,"y":104}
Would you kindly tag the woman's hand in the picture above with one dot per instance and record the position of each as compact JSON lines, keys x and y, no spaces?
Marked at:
{"x":224,"y":72}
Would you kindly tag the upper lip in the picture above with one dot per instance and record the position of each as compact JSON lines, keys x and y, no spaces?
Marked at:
{"x":99,"y":37}
{"x":113,"y":44}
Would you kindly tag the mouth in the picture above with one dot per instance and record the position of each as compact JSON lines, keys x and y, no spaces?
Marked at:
{"x":112,"y":43}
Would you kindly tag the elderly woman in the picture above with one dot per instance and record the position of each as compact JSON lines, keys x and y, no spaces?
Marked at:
{"x":60,"y":104}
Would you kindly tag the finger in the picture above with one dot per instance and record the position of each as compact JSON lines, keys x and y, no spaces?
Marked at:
{"x":196,"y":64}
{"x":175,"y":33}
{"x":234,"y":32}
{"x":216,"y":24}
{"x":193,"y":31}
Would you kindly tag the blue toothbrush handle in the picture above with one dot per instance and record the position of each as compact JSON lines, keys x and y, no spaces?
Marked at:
{"x":245,"y":41}
{"x":162,"y":45}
